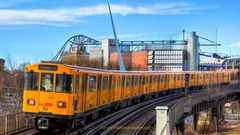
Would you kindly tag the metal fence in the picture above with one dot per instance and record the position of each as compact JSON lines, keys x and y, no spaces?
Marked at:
{"x":175,"y":114}
{"x":232,"y":117}
{"x":14,"y":123}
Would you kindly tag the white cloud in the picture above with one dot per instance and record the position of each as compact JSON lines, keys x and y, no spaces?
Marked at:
{"x":65,"y":16}
{"x":235,"y":45}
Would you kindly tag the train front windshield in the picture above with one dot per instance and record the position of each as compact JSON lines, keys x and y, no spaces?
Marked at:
{"x":63,"y":82}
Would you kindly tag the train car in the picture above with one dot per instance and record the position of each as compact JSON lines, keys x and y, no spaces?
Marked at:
{"x":58,"y":95}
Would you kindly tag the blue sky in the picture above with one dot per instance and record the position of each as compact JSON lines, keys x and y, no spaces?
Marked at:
{"x":34,"y":30}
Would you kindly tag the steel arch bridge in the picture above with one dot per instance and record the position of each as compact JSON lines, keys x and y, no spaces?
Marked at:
{"x":77,"y":40}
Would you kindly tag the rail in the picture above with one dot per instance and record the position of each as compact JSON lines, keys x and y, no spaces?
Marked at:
{"x":14,"y":123}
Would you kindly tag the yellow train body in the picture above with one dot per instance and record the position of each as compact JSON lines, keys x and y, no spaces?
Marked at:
{"x":68,"y":92}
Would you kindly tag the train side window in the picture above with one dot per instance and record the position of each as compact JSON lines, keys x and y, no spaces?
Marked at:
{"x":64,"y":83}
{"x":174,"y":77}
{"x":144,"y":80}
{"x":163,"y":78}
{"x":154,"y":79}
{"x":46,"y":82}
{"x":92,"y":83}
{"x":105,"y":82}
{"x":136,"y":80}
{"x":123,"y":81}
{"x":128,"y":82}
{"x":132,"y":81}
{"x":99,"y":82}
{"x":119,"y":82}
{"x":114,"y":82}
{"x":159,"y":79}
{"x":151,"y":79}
{"x":178,"y":77}
{"x":84,"y":82}
{"x":110,"y":82}
{"x":77,"y":83}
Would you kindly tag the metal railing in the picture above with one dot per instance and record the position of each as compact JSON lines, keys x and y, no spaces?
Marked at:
{"x":175,"y":114}
{"x":232,"y":117}
{"x":184,"y":105}
{"x":13,"y":123}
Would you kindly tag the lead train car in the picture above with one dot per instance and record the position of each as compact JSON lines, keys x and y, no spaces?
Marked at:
{"x":58,"y":95}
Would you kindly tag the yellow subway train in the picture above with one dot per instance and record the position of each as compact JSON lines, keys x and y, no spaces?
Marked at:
{"x":58,"y":95}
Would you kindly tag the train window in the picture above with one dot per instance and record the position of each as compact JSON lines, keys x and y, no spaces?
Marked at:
{"x":92,"y":83}
{"x":123,"y":81}
{"x":144,"y":80}
{"x":64,"y":83}
{"x":84,"y":82}
{"x":110,"y":82}
{"x":155,"y":79}
{"x":178,"y":77}
{"x":31,"y":81}
{"x":132,"y":80}
{"x":128,"y":81}
{"x":119,"y":82}
{"x":99,"y":82}
{"x":151,"y":79}
{"x":136,"y":80}
{"x":174,"y":77}
{"x":163,"y":78}
{"x":114,"y":82}
{"x":77,"y":84}
{"x":46,"y":82}
{"x":105,"y":82}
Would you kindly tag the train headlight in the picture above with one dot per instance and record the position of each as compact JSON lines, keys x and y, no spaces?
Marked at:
{"x":61,"y":104}
{"x":31,"y":102}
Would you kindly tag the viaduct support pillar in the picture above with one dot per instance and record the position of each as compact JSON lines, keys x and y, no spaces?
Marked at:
{"x":195,"y":122}
{"x":161,"y":120}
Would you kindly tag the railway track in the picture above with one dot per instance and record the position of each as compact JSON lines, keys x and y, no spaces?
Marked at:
{"x":140,"y":121}
{"x":112,"y":125}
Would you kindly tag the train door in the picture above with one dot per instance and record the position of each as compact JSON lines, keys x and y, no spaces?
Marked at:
{"x":118,"y":90}
{"x":113,"y":88}
{"x":145,"y":84}
{"x":91,"y":92}
{"x":77,"y":95}
{"x":84,"y":90}
{"x":99,"y":88}
{"x":155,"y":83}
{"x":150,"y":84}
{"x":136,"y":86}
{"x":110,"y":89}
{"x":158,"y":83}
{"x":140,"y":90}
{"x":127,"y":91}
{"x":132,"y":87}
{"x":104,"y":94}
{"x":123,"y":87}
